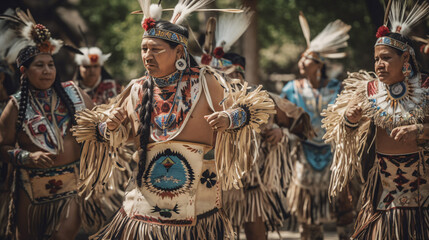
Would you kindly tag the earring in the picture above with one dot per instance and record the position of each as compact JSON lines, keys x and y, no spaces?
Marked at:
{"x":181,"y":64}
{"x":406,"y":70}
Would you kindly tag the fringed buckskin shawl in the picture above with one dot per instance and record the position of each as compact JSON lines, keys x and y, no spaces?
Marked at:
{"x":347,"y":143}
{"x":99,"y":157}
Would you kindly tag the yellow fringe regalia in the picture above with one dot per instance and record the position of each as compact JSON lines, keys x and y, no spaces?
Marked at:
{"x":180,"y":196}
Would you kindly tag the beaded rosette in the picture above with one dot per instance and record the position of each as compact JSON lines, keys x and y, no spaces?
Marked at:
{"x":399,"y":104}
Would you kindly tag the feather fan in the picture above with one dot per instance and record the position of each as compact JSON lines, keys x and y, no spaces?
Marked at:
{"x":331,"y":39}
{"x":231,"y":27}
{"x":186,"y":7}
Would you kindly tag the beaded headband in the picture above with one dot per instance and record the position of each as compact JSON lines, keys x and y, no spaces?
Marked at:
{"x":391,"y":42}
{"x":166,"y":35}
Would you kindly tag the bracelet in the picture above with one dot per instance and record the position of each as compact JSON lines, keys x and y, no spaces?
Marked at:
{"x":101,"y":131}
{"x":19,"y":156}
{"x":237,"y":117}
{"x":350,"y":124}
{"x":420,"y":130}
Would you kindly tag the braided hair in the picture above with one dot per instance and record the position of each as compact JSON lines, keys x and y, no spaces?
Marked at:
{"x":57,"y":88}
{"x":146,"y":110}
{"x":144,"y":129}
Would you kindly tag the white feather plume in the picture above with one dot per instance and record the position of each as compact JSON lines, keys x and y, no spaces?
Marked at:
{"x":145,"y":6}
{"x":12,"y":40}
{"x":230,"y":27}
{"x":404,"y":25}
{"x":186,"y":7}
{"x":84,"y":59}
{"x":331,"y":39}
{"x":305,"y":28}
{"x":155,"y":11}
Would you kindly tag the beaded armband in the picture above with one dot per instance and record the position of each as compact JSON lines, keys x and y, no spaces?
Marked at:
{"x":238,"y":117}
{"x":101,"y":132}
{"x":350,"y":124}
{"x":19,"y":157}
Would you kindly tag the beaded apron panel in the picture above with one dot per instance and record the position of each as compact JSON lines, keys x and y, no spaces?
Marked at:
{"x":50,"y":184}
{"x":178,"y":184}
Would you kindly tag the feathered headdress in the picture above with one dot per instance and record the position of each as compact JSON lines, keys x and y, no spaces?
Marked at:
{"x":400,"y":23}
{"x":23,"y":31}
{"x":91,"y":55}
{"x":328,"y":42}
{"x":229,"y":28}
{"x":153,"y":12}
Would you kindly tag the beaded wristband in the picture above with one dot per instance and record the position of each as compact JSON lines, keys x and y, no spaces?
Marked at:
{"x":350,"y":124}
{"x":237,"y":117}
{"x":19,"y":156}
{"x":101,"y":131}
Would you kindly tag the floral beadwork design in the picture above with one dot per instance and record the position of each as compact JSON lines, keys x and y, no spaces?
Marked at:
{"x":208,"y":178}
{"x":53,"y":186}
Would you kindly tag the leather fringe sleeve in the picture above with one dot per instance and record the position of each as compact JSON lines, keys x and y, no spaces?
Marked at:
{"x":347,"y":142}
{"x":99,"y":155}
{"x":236,"y":149}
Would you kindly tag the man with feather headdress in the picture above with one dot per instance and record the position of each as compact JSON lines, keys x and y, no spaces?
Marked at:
{"x":194,"y":129}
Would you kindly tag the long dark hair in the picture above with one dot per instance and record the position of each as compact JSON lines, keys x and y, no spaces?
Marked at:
{"x":58,"y":88}
{"x":146,"y":109}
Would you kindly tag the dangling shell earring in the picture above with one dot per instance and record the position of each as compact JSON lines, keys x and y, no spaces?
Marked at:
{"x":406,"y":70}
{"x":181,"y":64}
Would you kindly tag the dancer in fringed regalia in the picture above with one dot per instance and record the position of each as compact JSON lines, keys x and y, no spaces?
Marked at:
{"x":35,"y":136}
{"x":308,"y":192}
{"x":260,"y":205}
{"x":194,"y":130}
{"x":379,"y":125}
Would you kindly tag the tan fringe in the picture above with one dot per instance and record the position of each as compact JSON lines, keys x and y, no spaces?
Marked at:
{"x":234,"y":151}
{"x":214,"y":226}
{"x":263,"y":193}
{"x":243,"y":207}
{"x":346,"y":142}
{"x":45,"y":219}
{"x":394,"y":224}
{"x":310,"y":206}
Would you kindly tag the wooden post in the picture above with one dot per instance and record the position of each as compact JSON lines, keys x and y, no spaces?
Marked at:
{"x":251,"y":45}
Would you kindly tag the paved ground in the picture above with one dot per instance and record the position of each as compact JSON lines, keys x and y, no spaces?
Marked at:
{"x":295,"y":236}
{"x":286,"y":235}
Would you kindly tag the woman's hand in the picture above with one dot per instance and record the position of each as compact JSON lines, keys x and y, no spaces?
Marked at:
{"x":219,"y":121}
{"x":40,"y":159}
{"x":274,"y":135}
{"x":116,"y":117}
{"x":354,"y":113}
{"x":405,"y":133}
